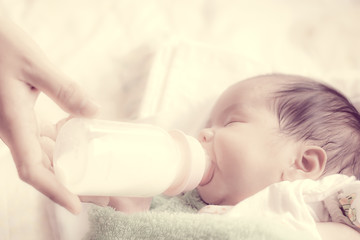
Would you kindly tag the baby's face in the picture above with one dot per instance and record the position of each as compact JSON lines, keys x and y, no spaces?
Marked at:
{"x":244,"y":144}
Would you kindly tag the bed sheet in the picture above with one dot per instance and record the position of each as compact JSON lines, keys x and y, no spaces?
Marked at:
{"x":152,"y":62}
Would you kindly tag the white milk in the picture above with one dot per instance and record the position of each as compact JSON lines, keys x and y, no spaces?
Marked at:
{"x":105,"y":158}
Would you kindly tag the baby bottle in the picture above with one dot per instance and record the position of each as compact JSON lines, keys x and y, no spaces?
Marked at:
{"x":106,"y":158}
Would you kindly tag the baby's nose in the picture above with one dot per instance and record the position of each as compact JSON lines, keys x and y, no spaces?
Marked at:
{"x":206,"y":135}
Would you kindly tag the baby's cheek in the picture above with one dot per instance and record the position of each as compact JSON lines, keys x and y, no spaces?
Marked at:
{"x":215,"y":209}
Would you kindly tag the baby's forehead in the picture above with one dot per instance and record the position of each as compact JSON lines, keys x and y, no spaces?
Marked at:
{"x":253,"y":89}
{"x":254,"y":93}
{"x":263,"y":83}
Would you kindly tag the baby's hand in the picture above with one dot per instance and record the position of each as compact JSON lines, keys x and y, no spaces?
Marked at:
{"x":123,"y":204}
{"x":215,"y":209}
{"x":98,"y":200}
{"x":130,"y":204}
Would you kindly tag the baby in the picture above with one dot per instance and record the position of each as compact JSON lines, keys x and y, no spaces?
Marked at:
{"x":269,"y":129}
{"x":274,"y":128}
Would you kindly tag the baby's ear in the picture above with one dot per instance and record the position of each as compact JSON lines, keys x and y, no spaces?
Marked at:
{"x":310,"y":164}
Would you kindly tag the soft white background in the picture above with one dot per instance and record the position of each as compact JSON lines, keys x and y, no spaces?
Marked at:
{"x":108,"y":45}
{"x":119,"y":49}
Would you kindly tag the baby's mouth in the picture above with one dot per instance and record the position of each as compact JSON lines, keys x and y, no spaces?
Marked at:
{"x":208,"y":175}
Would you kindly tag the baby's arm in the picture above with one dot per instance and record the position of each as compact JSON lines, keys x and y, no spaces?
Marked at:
{"x":336,"y":231}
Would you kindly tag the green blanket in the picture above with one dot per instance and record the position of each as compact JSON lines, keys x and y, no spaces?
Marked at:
{"x":177,"y":218}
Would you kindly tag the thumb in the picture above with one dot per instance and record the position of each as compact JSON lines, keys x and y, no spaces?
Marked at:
{"x":71,"y":98}
{"x":66,"y":93}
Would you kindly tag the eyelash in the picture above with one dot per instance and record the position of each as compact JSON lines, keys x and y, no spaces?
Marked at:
{"x":229,"y":123}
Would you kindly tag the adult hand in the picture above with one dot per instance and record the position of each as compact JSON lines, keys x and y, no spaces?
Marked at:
{"x":24,"y":73}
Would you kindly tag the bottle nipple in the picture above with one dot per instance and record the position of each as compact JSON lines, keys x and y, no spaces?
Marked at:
{"x":195,"y":163}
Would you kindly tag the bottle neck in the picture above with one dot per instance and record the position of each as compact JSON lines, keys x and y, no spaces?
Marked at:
{"x":194,"y":163}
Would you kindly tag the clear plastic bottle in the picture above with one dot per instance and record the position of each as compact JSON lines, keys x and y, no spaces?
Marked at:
{"x":106,"y":158}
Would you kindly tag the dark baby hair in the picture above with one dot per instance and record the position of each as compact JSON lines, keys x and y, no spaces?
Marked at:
{"x":316,"y":113}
